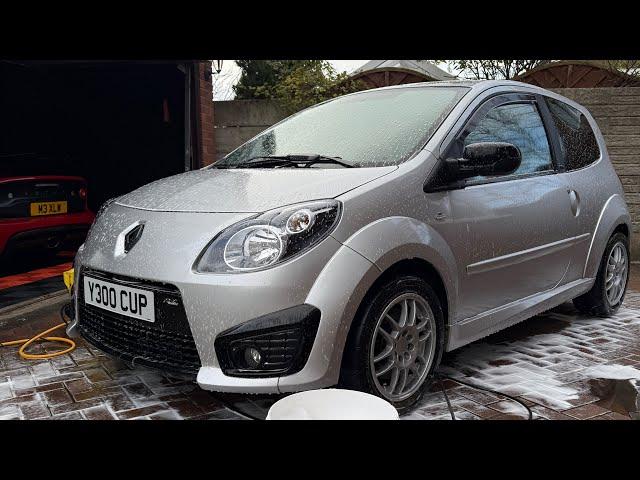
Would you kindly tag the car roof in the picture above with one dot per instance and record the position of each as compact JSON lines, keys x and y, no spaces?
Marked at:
{"x":479,"y":86}
{"x":474,"y":84}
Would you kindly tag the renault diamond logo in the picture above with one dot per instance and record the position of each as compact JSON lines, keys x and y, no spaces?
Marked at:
{"x":132,"y":237}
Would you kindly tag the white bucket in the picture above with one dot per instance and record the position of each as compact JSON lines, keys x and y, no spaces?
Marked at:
{"x":332,"y":404}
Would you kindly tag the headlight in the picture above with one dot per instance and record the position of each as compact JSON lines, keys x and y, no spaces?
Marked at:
{"x":270,"y":238}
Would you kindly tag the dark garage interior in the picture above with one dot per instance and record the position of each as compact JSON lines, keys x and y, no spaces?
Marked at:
{"x":118,"y":125}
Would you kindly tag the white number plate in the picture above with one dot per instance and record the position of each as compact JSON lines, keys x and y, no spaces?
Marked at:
{"x":132,"y":302}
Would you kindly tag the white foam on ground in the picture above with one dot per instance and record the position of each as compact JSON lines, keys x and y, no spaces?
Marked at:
{"x":614,"y":372}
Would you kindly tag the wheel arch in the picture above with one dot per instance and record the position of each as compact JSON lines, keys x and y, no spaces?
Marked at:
{"x":403,"y":245}
{"x":614,"y":217}
{"x":381,"y":248}
{"x":621,"y":228}
{"x":418,"y":267}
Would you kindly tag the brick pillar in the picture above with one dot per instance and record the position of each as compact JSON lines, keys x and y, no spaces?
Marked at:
{"x":205,"y":104}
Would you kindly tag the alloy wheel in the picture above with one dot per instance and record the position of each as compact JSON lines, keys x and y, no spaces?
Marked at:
{"x":617,"y":272}
{"x":403,"y":346}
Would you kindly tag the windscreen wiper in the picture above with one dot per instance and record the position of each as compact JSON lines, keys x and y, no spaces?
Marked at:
{"x":292,"y":160}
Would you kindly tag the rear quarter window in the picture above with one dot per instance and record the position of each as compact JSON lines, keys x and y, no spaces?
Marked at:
{"x":577,"y":140}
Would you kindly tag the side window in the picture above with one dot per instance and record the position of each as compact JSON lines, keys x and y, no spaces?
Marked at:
{"x":577,"y":140}
{"x":519,"y":124}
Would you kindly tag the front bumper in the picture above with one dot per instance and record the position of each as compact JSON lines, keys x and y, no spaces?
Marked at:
{"x":329,"y":278}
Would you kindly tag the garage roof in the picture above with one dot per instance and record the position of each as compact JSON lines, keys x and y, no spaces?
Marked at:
{"x":421,"y":67}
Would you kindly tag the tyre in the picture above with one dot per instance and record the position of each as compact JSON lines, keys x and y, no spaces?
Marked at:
{"x":397,"y":343}
{"x":607,"y":294}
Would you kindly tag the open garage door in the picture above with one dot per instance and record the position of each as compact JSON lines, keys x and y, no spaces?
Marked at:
{"x":75,"y":134}
{"x":119,"y":125}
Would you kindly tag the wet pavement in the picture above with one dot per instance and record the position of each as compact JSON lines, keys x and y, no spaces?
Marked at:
{"x":562,"y":365}
{"x":634,"y":279}
{"x":28,"y":276}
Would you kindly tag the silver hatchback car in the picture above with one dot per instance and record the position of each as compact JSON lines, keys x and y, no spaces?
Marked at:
{"x":356,"y":241}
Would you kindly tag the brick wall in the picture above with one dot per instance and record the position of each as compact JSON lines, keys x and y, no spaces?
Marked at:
{"x":617,"y":112}
{"x":205,"y":110}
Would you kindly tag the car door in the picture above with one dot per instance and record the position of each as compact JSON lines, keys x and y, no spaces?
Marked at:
{"x":579,"y":150}
{"x":518,"y":229}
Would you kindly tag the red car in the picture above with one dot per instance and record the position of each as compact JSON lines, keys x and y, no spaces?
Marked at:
{"x":42,"y":213}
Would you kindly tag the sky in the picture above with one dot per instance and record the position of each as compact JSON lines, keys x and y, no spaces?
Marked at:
{"x":228,"y":76}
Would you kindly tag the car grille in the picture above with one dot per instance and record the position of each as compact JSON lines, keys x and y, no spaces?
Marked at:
{"x":166,"y":344}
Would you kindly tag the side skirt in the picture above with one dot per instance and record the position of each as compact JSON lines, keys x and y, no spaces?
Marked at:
{"x":499,"y":318}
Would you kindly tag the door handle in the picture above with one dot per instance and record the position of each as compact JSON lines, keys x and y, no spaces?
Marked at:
{"x":440,"y":216}
{"x":574,"y":200}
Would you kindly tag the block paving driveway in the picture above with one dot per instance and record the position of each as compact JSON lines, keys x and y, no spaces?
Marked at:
{"x":561,"y":364}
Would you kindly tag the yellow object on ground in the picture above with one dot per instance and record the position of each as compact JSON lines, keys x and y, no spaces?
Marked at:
{"x":68,"y":279}
{"x":25,"y":342}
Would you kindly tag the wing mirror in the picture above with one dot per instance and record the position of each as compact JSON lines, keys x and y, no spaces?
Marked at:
{"x":486,"y":159}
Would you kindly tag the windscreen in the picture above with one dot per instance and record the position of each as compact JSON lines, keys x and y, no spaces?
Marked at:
{"x":367,"y":129}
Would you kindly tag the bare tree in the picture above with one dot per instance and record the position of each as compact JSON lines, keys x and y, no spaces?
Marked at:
{"x":630,"y":68}
{"x":491,"y":69}
{"x":223,"y":82}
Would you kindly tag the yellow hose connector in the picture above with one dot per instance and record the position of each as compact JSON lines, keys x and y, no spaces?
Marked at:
{"x":68,"y":279}
{"x":25,"y":342}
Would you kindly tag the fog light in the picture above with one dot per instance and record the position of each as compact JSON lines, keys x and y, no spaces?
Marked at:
{"x":252,"y":357}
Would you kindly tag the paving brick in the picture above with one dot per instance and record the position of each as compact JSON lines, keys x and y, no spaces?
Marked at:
{"x":165,"y":415}
{"x":10,"y":412}
{"x":5,"y":390}
{"x":43,"y":370}
{"x":60,"y":378}
{"x":570,"y":377}
{"x":40,"y":388}
{"x":61,"y":362}
{"x":113,"y":366}
{"x":67,"y":416}
{"x":526,"y":401}
{"x":509,"y":407}
{"x":205,"y":400}
{"x":19,"y":382}
{"x":506,"y":416}
{"x":75,"y":406}
{"x":99,"y":412}
{"x":57,"y":397}
{"x":465,"y":415}
{"x":223,"y":414}
{"x":78,"y":385}
{"x":474,"y":408}
{"x":119,"y":402}
{"x":97,"y":392}
{"x":433,"y":411}
{"x":613,"y":416}
{"x":185,"y":408}
{"x":34,"y":410}
{"x":585,"y":412}
{"x":584,"y":398}
{"x":137,"y":390}
{"x":31,"y":397}
{"x":140,"y":412}
{"x":477,"y":396}
{"x":81,"y":353}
